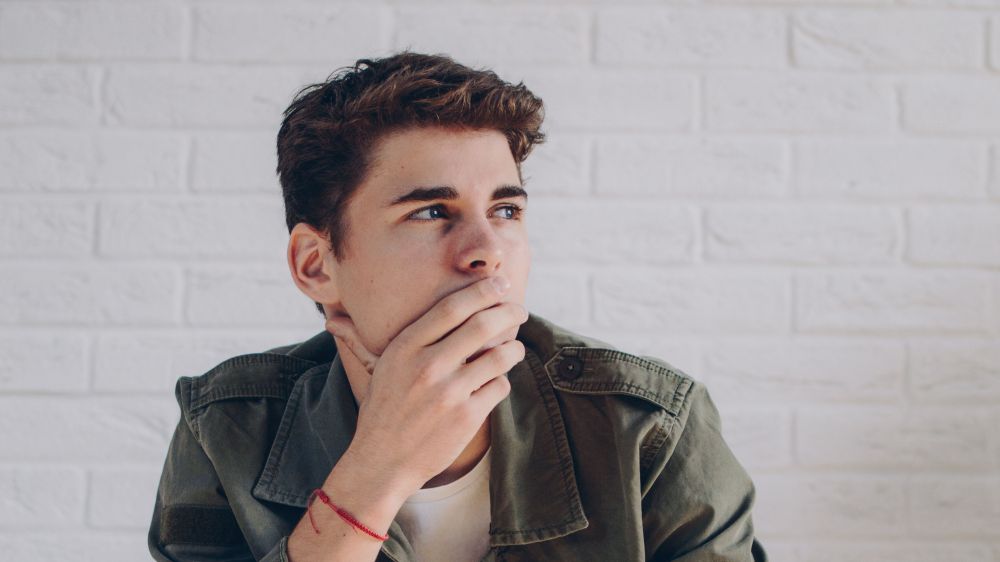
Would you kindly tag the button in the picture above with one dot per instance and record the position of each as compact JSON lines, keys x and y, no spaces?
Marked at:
{"x":570,"y":368}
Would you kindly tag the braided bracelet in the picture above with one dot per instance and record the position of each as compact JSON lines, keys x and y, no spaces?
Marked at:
{"x":343,"y":513}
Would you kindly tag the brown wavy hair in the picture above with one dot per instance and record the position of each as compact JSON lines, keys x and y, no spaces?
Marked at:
{"x":329,"y":131}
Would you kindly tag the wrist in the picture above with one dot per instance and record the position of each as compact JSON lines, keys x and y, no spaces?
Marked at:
{"x":372,"y":496}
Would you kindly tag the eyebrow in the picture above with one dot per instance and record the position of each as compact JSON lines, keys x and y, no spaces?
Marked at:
{"x":448,"y":192}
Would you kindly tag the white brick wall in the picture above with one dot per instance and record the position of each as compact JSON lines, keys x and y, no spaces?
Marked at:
{"x":797,"y":201}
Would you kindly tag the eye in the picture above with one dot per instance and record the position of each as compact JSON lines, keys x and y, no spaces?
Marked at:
{"x":515,"y":211}
{"x":425,"y":210}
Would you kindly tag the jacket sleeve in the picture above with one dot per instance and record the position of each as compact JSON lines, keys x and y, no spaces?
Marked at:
{"x":192,"y":519}
{"x":697,"y":508}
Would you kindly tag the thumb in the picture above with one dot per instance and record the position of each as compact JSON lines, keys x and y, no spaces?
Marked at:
{"x":343,"y":330}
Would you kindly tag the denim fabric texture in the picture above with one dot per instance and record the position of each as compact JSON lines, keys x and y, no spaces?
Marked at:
{"x":597,"y":455}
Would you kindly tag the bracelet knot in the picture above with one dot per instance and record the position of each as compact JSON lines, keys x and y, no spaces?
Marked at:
{"x":343,"y":513}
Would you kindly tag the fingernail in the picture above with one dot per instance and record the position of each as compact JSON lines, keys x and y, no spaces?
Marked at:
{"x":501,"y":283}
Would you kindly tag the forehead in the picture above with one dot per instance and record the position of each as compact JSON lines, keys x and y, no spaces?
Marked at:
{"x":462,"y":158}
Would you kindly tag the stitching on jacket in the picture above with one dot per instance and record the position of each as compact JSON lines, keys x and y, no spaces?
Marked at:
{"x":671,"y":403}
{"x":251,"y":390}
{"x":281,"y":436}
{"x":203,"y":390}
{"x":186,"y":386}
{"x":652,"y":444}
{"x":261,"y":359}
{"x":565,"y":468}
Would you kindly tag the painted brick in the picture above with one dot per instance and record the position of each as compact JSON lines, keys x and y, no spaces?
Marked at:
{"x":890,"y":169}
{"x":831,"y":506}
{"x":687,"y":303}
{"x":235,"y":162}
{"x":661,"y":166}
{"x":955,"y":235}
{"x":107,"y":430}
{"x":955,"y":506}
{"x":893,"y":437}
{"x":611,"y":232}
{"x":887,"y":40}
{"x":247,"y":296}
{"x":994,"y":181}
{"x":75,"y":161}
{"x":760,"y":438}
{"x":46,"y":362}
{"x":777,"y":549}
{"x":82,"y":546}
{"x":799,"y":103}
{"x":89,"y":31}
{"x":46,"y":228}
{"x":953,"y":3}
{"x":28,"y":499}
{"x":995,"y":42}
{"x":621,"y":127}
{"x":805,"y":371}
{"x":215,"y":227}
{"x":800,"y":234}
{"x":558,"y":292}
{"x":319,"y":32}
{"x":48,"y":95}
{"x":147,"y":362}
{"x":478,"y":35}
{"x":966,"y":370}
{"x":559,"y":166}
{"x":995,"y":446}
{"x":578,"y":99}
{"x":909,"y":551}
{"x":178,"y":95}
{"x":797,"y":3}
{"x":963,"y":104}
{"x":996,"y":304}
{"x":683,"y":353}
{"x":122,"y":497}
{"x":111,"y":295}
{"x":865,"y":302}
{"x":693,"y":36}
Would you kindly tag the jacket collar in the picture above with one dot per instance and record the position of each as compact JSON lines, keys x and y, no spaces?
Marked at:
{"x":530,"y":456}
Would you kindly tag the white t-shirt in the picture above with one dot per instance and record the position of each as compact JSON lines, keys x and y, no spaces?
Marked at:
{"x":450,"y":522}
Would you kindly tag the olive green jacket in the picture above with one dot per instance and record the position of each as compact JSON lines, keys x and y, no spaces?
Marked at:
{"x":596,"y":455}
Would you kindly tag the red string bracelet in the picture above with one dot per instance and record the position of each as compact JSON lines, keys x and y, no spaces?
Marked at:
{"x":343,"y":513}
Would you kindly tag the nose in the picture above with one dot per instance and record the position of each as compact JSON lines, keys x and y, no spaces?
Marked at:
{"x":480,"y":249}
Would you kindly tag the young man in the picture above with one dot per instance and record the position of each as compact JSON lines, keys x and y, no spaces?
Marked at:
{"x":435,"y":418}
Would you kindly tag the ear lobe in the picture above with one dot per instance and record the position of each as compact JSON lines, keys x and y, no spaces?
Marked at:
{"x":312,"y":273}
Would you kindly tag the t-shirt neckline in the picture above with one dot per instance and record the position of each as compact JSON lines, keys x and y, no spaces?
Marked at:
{"x":438,"y":493}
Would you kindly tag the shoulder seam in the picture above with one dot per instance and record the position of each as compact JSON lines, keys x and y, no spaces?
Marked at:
{"x":204,"y":390}
{"x":671,"y":400}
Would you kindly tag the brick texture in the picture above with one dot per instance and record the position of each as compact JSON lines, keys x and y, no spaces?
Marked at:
{"x":795,"y":201}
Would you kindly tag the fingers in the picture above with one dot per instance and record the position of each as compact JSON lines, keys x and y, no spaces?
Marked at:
{"x":343,"y":330}
{"x":453,"y":310}
{"x":483,"y":328}
{"x":479,"y":374}
{"x":491,"y":393}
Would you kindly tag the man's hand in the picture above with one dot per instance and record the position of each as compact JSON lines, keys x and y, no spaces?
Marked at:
{"x":424,"y":402}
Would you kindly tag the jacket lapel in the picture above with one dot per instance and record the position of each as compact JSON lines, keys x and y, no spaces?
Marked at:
{"x":316,"y":428}
{"x":533,"y":490}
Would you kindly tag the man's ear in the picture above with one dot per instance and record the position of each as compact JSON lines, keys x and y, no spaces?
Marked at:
{"x":312,"y":266}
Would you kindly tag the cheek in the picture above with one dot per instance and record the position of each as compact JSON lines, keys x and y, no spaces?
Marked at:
{"x":518,"y":258}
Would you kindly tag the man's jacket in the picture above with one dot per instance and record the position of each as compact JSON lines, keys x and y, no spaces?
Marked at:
{"x":596,"y":455}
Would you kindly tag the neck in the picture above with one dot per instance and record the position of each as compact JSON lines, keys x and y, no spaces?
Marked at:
{"x":467,"y":460}
{"x":470,"y":456}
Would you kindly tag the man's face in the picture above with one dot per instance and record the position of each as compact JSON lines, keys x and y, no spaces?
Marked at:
{"x":402,"y":258}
